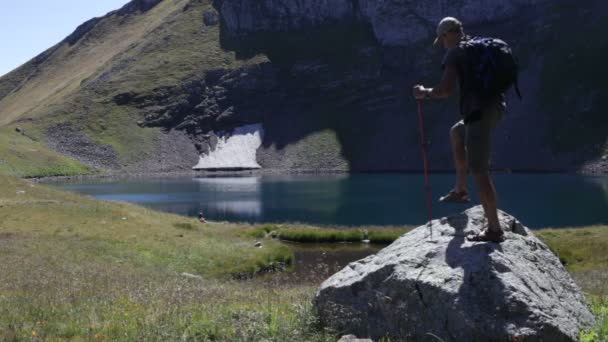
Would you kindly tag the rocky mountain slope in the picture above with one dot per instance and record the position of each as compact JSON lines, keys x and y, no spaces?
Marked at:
{"x":150,"y":86}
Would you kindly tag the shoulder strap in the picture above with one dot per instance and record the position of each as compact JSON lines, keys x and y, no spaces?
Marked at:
{"x":516,"y":86}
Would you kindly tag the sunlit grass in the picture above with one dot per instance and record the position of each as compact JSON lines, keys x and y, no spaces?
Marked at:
{"x":599,"y":308}
{"x":312,"y":234}
{"x":22,"y":156}
{"x":132,"y":232}
{"x":579,"y":249}
{"x":583,"y":253}
{"x":66,"y":291}
{"x":76,"y":268}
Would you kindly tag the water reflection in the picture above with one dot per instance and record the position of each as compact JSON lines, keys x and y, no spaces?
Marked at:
{"x":230,"y":183}
{"x":249,"y":209}
{"x":538,"y":200}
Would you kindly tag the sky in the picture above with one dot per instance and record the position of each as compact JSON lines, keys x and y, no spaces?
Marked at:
{"x":28,"y":27}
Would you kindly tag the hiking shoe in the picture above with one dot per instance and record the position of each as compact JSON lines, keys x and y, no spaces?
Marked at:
{"x":455,"y":197}
{"x":487,"y":236}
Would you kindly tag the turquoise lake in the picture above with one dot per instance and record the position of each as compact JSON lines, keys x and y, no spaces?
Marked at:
{"x":538,"y":200}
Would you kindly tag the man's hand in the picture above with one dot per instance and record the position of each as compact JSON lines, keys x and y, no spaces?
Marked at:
{"x":420,"y":92}
{"x":442,"y":90}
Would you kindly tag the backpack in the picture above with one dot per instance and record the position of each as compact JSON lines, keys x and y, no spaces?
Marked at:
{"x":492,"y":64}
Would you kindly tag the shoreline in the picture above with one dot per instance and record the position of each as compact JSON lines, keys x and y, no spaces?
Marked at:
{"x":262,"y":172}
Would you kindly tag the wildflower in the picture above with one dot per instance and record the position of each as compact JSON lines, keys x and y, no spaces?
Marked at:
{"x":34,"y":333}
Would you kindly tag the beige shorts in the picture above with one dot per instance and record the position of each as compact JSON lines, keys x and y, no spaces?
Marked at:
{"x":477,"y":137}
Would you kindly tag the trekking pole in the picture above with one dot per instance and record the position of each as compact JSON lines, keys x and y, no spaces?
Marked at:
{"x":426,"y":167}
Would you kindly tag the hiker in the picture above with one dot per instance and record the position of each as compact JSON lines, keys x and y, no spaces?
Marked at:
{"x":201,"y":218}
{"x":480,"y":112}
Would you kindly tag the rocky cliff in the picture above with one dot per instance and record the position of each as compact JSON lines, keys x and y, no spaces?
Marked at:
{"x":329,"y":81}
{"x":384,"y":48}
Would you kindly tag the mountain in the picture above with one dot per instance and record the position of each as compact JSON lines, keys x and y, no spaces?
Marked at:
{"x":153,"y":85}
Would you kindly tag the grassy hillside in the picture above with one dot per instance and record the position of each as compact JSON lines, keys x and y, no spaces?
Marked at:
{"x":74,"y":83}
{"x":127,"y":231}
{"x":23,"y":155}
{"x":73,"y":267}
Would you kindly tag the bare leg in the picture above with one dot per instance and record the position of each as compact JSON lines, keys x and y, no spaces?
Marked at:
{"x":460,"y":158}
{"x":487,"y":196}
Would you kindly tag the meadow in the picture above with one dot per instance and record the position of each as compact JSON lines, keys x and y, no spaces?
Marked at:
{"x":74,"y":268}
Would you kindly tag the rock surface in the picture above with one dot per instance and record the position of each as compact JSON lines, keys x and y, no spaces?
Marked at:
{"x":395,"y":22}
{"x":455,"y":289}
{"x":243,"y":16}
{"x":381,"y":48}
{"x":353,"y":338}
{"x":329,"y":80}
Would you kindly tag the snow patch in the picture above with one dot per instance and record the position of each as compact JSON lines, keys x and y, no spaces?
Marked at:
{"x":234,"y":151}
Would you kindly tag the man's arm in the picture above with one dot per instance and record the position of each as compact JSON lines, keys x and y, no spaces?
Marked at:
{"x":443,"y":89}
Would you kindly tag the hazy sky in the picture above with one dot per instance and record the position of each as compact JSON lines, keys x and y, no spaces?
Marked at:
{"x":28,"y":27}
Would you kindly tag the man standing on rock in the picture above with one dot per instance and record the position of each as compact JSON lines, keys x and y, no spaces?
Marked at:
{"x":470,"y":137}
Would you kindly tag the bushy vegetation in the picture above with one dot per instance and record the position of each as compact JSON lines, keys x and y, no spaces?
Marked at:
{"x":320,"y":235}
{"x":599,"y":308}
{"x":385,"y":235}
{"x":311,"y":234}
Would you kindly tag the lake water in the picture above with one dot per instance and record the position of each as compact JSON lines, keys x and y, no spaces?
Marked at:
{"x":538,"y":200}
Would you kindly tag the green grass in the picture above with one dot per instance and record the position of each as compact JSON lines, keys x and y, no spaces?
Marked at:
{"x":185,"y":226}
{"x":579,"y":249}
{"x":116,"y":126}
{"x":311,"y":234}
{"x":385,"y":235}
{"x":93,"y":300}
{"x":79,"y":269}
{"x":259,"y":232}
{"x":130,"y":232}
{"x":320,"y":235}
{"x":583,"y":253}
{"x":76,"y":268}
{"x":22,"y":156}
{"x":321,"y":143}
{"x":599,"y":308}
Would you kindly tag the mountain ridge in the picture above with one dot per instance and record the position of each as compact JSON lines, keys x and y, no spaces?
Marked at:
{"x":148,"y":86}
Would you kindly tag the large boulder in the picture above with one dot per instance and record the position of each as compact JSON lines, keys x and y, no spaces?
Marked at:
{"x":422,"y":287}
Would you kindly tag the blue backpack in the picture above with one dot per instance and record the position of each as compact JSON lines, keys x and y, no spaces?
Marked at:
{"x":493,"y":66}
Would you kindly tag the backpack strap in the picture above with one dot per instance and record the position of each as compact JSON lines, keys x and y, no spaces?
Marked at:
{"x":516,"y":81}
{"x":516,"y":86}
